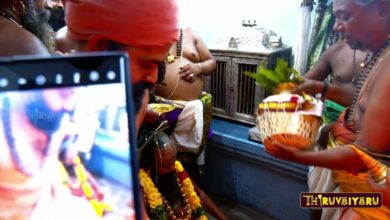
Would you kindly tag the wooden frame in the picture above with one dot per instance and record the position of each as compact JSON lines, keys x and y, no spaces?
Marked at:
{"x":235,"y":95}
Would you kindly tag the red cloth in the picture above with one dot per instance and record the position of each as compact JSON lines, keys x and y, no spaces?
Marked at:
{"x":130,"y":22}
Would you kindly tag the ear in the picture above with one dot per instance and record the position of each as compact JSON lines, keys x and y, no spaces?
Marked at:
{"x":18,"y":7}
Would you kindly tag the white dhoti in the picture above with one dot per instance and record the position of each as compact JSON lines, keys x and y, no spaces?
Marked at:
{"x":188,"y":131}
{"x":320,"y":180}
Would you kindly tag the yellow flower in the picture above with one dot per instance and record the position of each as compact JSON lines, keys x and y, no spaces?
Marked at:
{"x":142,"y":182}
{"x":178,"y":166}
{"x":148,"y":190}
{"x":154,"y":197}
{"x":149,"y":184}
{"x":153,"y":204}
{"x":188,"y":184}
{"x":197,"y":202}
{"x":153,"y":190}
{"x":203,"y":217}
{"x":194,"y":203}
{"x":142,"y":173}
{"x":187,"y":190}
{"x":193,"y":195}
{"x":154,"y":200}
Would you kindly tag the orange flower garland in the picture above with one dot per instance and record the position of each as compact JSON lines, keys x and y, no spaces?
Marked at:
{"x":189,"y":191}
{"x":155,"y":199}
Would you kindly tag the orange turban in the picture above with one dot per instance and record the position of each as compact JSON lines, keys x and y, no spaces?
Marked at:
{"x":130,"y":22}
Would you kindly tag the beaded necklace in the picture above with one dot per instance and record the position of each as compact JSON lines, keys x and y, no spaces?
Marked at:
{"x":369,"y":62}
{"x":172,"y":58}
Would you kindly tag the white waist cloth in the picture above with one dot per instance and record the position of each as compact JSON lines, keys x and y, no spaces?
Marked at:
{"x":188,"y":131}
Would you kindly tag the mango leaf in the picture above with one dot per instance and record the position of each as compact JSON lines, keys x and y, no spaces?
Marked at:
{"x":295,"y":76}
{"x":269,"y":79}
{"x":282,"y":75}
{"x":260,"y":79}
{"x":269,"y":74}
{"x":263,"y":64}
{"x":283,"y":66}
{"x":265,"y":82}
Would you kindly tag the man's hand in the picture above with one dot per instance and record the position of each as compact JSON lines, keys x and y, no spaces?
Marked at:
{"x":282,"y":151}
{"x":190,"y":72}
{"x":339,"y":158}
{"x":384,"y":189}
{"x":309,"y":86}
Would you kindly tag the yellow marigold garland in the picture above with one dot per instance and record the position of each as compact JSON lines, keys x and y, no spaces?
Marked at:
{"x":152,"y":194}
{"x":188,"y":188}
{"x":154,"y":198}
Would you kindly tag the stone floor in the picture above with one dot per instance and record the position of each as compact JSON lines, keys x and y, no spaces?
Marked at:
{"x":240,"y":212}
{"x":236,"y":211}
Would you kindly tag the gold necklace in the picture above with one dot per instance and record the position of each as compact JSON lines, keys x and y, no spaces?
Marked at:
{"x":179,"y":52}
{"x":171,"y":58}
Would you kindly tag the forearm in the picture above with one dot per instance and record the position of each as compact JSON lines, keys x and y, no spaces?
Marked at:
{"x":339,"y":94}
{"x":207,"y":66}
{"x":340,"y":158}
{"x":211,"y":207}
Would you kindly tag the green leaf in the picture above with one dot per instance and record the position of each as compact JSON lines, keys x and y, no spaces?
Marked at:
{"x":159,"y":213}
{"x":269,"y":74}
{"x":264,"y":81}
{"x":263,"y":64}
{"x":261,"y":79}
{"x":282,"y":76}
{"x":199,"y":211}
{"x":283,"y":66}
{"x":269,"y":78}
{"x":295,"y":76}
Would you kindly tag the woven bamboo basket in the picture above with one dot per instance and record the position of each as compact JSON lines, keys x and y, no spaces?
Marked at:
{"x":288,"y":127}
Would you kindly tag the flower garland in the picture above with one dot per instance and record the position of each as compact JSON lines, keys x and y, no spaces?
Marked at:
{"x":152,"y":195}
{"x":83,"y":187}
{"x":155,"y":199}
{"x":189,"y":191}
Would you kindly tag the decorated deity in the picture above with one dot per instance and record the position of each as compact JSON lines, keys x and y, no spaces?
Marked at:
{"x":168,"y":191}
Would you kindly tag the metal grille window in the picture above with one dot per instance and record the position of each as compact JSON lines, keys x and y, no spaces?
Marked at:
{"x":219,"y":85}
{"x":235,"y":95}
{"x":246,"y":90}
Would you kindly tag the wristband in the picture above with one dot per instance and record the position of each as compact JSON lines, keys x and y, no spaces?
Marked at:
{"x":324,"y":89}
